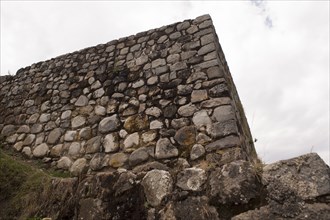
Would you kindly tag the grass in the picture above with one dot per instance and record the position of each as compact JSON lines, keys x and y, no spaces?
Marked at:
{"x":23,"y":187}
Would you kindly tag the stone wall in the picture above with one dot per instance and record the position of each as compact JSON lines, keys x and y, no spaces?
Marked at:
{"x":162,"y":96}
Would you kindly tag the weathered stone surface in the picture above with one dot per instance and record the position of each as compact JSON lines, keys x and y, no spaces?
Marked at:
{"x":165,"y":149}
{"x":201,"y":119}
{"x":153,"y":111}
{"x":223,"y":113}
{"x":215,"y":102}
{"x":110,"y":143}
{"x":85,"y":133}
{"x":132,"y":140}
{"x":138,"y":156}
{"x":74,"y":150}
{"x":193,"y":208}
{"x":27,"y":152}
{"x":170,"y":111}
{"x":296,"y":174}
{"x":226,"y":142}
{"x":118,"y":160}
{"x":81,"y":101}
{"x":215,"y":72}
{"x":78,"y":121}
{"x":56,"y":150}
{"x":156,"y":124}
{"x":234,"y":183}
{"x":29,"y":139}
{"x":66,"y":114}
{"x":186,"y":135}
{"x":54,"y":136}
{"x":41,"y":150}
{"x":8,"y":130}
{"x":64,"y":163}
{"x":96,"y":162}
{"x":93,"y":145}
{"x":221,"y":129}
{"x":185,"y":89}
{"x":79,"y":167}
{"x":180,"y":122}
{"x":198,"y":96}
{"x":196,"y":76}
{"x":45,"y":117}
{"x":36,"y":128}
{"x":70,"y":135}
{"x":197,"y":151}
{"x":149,"y":136}
{"x":18,"y":146}
{"x":136,"y":123}
{"x":109,"y":124}
{"x":191,"y":179}
{"x":157,"y":184}
{"x":218,"y":90}
{"x":23,"y":129}
{"x":187,"y":110}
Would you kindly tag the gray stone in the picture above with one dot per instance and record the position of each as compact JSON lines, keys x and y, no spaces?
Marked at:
{"x":218,"y":90}
{"x":226,"y":142}
{"x":36,"y":128}
{"x":23,"y":129}
{"x":78,"y":121}
{"x":197,"y":76}
{"x":74,"y":150}
{"x":234,"y":183}
{"x":192,"y":29}
{"x":173,"y":58}
{"x":41,"y":150}
{"x":29,"y":139}
{"x":158,"y":62}
{"x":187,"y":110}
{"x":206,"y":49}
{"x":56,"y":151}
{"x":307,"y":176}
{"x":215,"y":72}
{"x":162,"y":39}
{"x":201,"y":18}
{"x":180,"y":122}
{"x":203,"y":138}
{"x":138,"y":84}
{"x":185,"y":89}
{"x":178,"y":66}
{"x":79,"y":167}
{"x":223,"y":113}
{"x":141,"y":60}
{"x":215,"y":102}
{"x":27,"y":152}
{"x":160,"y":70}
{"x":198,"y":96}
{"x":93,"y":145}
{"x":156,"y":124}
{"x":109,"y":124}
{"x":183,"y":25}
{"x":207,"y":64}
{"x":153,"y":111}
{"x":136,"y":123}
{"x":201,"y":119}
{"x":54,"y":136}
{"x":175,"y":35}
{"x":221,"y":129}
{"x":188,"y":54}
{"x":33,"y":118}
{"x":197,"y":151}
{"x":98,"y":93}
{"x":165,"y":149}
{"x":152,"y":80}
{"x":81,"y":101}
{"x":100,"y":110}
{"x":138,"y":156}
{"x":12,"y":139}
{"x":118,"y":160}
{"x":66,"y":114}
{"x":64,"y":163}
{"x":186,"y":135}
{"x":45,"y":117}
{"x":85,"y":133}
{"x":131,"y":141}
{"x":110,"y":143}
{"x":149,"y":136}
{"x":18,"y":146}
{"x":157,"y":184}
{"x":170,"y":111}
{"x":70,"y":135}
{"x":206,"y":39}
{"x":191,"y":45}
{"x":96,"y":162}
{"x":191,"y":179}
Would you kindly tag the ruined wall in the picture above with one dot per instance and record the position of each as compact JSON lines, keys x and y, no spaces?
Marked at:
{"x":161,"y":95}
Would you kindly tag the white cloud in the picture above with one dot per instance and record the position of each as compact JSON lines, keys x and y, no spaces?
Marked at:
{"x":277,"y":51}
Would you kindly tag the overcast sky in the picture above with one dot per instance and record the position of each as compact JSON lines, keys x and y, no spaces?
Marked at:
{"x":277,"y":51}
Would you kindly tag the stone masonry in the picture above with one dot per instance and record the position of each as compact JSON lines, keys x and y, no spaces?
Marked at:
{"x":158,"y":95}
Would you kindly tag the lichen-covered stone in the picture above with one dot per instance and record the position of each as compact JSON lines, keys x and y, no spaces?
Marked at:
{"x":136,"y":123}
{"x":138,"y":156}
{"x":79,"y":167}
{"x":186,"y":135}
{"x":132,"y":140}
{"x":78,"y":121}
{"x":54,"y":136}
{"x":64,"y":163}
{"x":165,"y":149}
{"x":93,"y":145}
{"x":226,"y":142}
{"x":110,"y":143}
{"x":191,"y":179}
{"x":197,"y":151}
{"x":118,"y":160}
{"x":221,"y":129}
{"x":157,"y":184}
